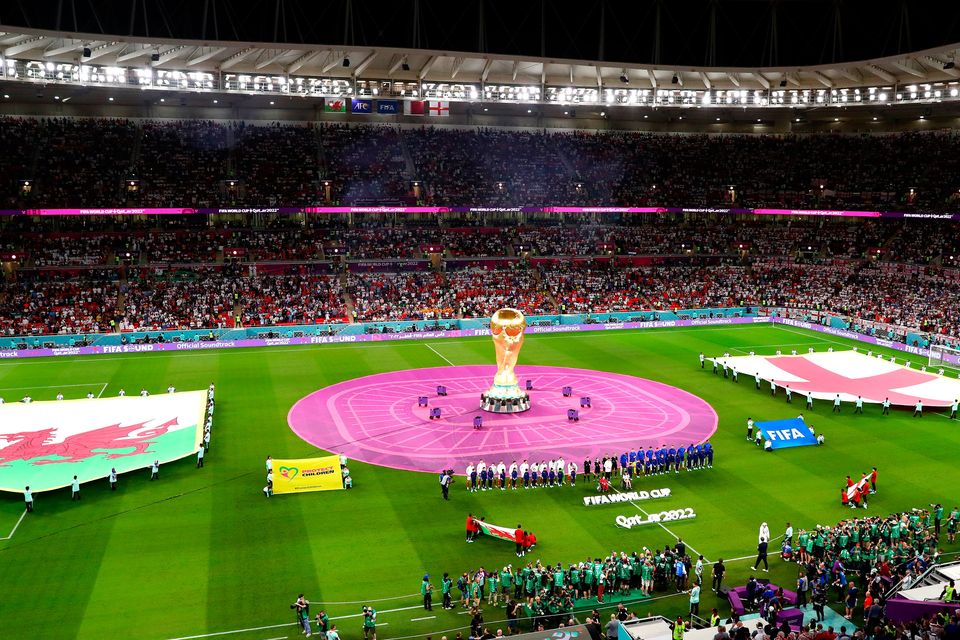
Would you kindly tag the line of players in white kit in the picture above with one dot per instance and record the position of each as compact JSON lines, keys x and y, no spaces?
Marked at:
{"x":554,"y":473}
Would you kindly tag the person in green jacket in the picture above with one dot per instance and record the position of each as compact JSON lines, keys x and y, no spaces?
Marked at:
{"x":426,"y":590}
{"x":446,"y":586}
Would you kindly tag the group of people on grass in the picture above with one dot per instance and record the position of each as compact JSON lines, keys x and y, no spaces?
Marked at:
{"x":153,"y":467}
{"x":557,"y":472}
{"x":854,"y":493}
{"x":856,"y":556}
{"x":618,"y":574}
{"x":552,"y":473}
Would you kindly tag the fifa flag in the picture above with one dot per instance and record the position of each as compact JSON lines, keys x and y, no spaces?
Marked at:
{"x":414,"y":107}
{"x":438,"y":108}
{"x":503,"y":533}
{"x":787,"y":433}
{"x":307,"y":474}
{"x":388,"y":107}
{"x":335,"y":105}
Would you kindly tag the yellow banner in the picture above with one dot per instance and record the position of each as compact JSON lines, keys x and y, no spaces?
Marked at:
{"x":307,"y":474}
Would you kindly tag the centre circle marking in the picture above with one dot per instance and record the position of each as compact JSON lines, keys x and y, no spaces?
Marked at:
{"x":376,"y":419}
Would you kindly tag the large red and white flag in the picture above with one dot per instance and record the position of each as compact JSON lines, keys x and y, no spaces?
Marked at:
{"x":438,"y":108}
{"x":414,"y":107}
{"x":850,"y":374}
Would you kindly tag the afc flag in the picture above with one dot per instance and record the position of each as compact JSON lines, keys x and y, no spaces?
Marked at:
{"x":361,"y":105}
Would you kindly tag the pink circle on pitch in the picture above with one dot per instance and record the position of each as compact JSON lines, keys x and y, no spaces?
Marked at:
{"x":376,"y":419}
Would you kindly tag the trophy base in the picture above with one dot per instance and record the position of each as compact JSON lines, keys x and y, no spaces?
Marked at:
{"x":504,"y":405}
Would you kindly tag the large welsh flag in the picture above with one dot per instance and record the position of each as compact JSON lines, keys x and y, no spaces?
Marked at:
{"x":504,"y":533}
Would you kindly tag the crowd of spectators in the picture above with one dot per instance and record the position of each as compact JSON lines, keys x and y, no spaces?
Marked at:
{"x":62,"y":302}
{"x":405,"y":296}
{"x":479,"y":291}
{"x":87,"y":162}
{"x":886,"y":276}
{"x":270,"y":300}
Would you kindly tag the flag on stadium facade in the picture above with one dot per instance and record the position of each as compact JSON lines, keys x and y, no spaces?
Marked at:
{"x":361,"y":106}
{"x":503,"y":533}
{"x":335,"y":105}
{"x":414,"y":107}
{"x":388,"y":107}
{"x":438,"y":108}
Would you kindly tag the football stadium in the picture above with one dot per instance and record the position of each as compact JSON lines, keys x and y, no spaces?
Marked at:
{"x":453,"y":321}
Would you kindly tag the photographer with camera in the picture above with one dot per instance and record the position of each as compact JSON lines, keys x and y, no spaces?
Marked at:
{"x":369,"y":623}
{"x":302,"y":610}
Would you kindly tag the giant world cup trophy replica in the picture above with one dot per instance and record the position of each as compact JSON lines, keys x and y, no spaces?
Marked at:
{"x":505,"y":395}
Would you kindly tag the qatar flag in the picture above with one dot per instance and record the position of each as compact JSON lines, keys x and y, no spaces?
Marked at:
{"x":414,"y":107}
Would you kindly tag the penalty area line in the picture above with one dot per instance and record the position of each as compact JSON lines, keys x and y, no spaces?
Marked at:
{"x":15,"y":526}
{"x":445,"y":359}
{"x":103,"y":389}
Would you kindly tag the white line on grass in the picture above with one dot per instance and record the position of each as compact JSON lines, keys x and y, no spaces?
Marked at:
{"x":54,"y":386}
{"x":15,"y":526}
{"x":819,"y":339}
{"x":227,"y":633}
{"x":423,"y":618}
{"x":104,"y":389}
{"x":288,"y":624}
{"x":368,"y":600}
{"x":445,"y":359}
{"x":675,"y":536}
{"x":384,"y":344}
{"x":279,"y":638}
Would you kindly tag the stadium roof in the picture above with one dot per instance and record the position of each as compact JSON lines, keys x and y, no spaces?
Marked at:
{"x":454,"y":67}
{"x":714,"y":33}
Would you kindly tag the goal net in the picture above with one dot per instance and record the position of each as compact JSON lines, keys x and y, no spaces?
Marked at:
{"x":944,"y":357}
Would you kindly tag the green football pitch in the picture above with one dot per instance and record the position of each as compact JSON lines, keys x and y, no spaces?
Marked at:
{"x":202,"y":553}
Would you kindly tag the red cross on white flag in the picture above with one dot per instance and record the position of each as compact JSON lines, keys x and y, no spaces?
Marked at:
{"x":438,"y":108}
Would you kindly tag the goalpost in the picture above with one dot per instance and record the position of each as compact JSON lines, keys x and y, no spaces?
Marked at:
{"x":943,"y":357}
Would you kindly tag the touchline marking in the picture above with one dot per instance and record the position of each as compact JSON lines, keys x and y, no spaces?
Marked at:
{"x":445,"y":359}
{"x":15,"y":526}
{"x":675,"y":536}
{"x":288,"y":624}
{"x":227,"y":633}
{"x":384,"y":344}
{"x":419,"y":635}
{"x":56,"y":386}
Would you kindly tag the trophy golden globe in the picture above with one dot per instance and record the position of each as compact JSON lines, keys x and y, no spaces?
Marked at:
{"x":505,"y":395}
